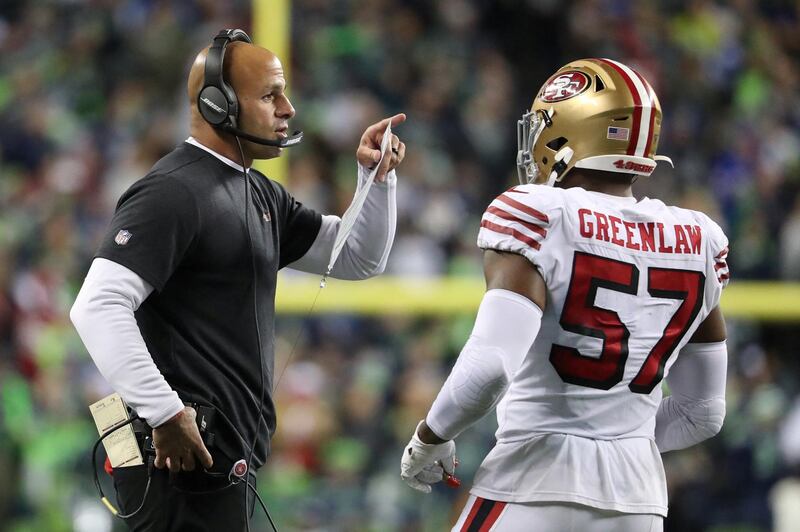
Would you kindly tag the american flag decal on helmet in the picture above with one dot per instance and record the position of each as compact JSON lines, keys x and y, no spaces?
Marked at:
{"x":618,"y":133}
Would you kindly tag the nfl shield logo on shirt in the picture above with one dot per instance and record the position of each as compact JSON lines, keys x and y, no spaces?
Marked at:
{"x":122,"y":237}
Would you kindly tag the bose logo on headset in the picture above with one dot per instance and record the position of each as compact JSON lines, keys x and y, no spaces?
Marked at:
{"x":211,"y":104}
{"x":217,"y":100}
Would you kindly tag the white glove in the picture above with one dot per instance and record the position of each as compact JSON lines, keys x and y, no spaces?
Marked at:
{"x":425,"y":463}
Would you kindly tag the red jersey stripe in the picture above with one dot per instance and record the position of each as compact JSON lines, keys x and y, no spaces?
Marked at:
{"x":472,"y":512}
{"x":494,"y":514}
{"x":524,"y":208}
{"x":500,"y":213}
{"x":721,"y":253}
{"x":525,"y":239}
{"x":718,"y":266}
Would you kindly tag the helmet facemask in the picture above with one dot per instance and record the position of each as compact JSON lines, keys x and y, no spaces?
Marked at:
{"x":529,"y":128}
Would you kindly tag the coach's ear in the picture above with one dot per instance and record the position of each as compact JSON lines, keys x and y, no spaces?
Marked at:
{"x":511,"y":271}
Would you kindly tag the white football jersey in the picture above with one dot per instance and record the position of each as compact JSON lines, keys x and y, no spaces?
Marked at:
{"x":628,"y":283}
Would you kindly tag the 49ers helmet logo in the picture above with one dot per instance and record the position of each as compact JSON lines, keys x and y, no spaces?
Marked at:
{"x":564,"y":86}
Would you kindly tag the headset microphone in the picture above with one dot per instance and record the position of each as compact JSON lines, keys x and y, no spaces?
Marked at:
{"x":292,"y":140}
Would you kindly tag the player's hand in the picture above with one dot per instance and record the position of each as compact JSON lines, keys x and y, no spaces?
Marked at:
{"x":179,"y":445}
{"x":369,"y":149}
{"x":424,"y":464}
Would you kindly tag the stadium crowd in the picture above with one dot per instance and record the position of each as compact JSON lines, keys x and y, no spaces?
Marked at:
{"x":93,"y":92}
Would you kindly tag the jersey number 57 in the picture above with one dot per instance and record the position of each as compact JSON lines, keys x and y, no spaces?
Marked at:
{"x":581,"y":316}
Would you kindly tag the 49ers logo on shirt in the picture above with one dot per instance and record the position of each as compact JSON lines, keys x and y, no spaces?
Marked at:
{"x":564,"y":86}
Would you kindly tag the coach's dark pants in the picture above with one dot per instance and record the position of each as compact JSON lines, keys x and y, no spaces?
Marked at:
{"x":171,"y":507}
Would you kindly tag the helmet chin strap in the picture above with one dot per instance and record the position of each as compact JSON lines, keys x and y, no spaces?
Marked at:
{"x":564,"y":156}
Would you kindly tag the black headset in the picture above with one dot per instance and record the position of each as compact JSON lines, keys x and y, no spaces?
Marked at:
{"x":217,"y":100}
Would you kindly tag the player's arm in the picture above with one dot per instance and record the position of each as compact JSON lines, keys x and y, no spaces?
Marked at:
{"x":506,"y":326}
{"x":695,"y":409}
{"x":507,"y":323}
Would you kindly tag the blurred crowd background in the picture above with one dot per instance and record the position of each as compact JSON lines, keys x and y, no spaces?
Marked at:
{"x":92,"y":93}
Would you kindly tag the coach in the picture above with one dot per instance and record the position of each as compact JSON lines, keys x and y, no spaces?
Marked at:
{"x":178,"y":305}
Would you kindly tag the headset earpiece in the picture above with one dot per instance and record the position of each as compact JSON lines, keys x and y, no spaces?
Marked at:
{"x":213,"y":106}
{"x":217,"y":100}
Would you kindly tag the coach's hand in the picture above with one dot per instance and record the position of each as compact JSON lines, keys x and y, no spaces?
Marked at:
{"x":424,"y":464}
{"x":369,"y":149}
{"x":178,"y":443}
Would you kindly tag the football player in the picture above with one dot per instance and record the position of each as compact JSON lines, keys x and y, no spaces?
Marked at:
{"x":593,"y":299}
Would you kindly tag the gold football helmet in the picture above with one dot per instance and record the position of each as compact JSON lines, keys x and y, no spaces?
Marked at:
{"x":592,"y":113}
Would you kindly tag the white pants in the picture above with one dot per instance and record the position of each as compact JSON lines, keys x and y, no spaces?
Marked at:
{"x":483,"y":515}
